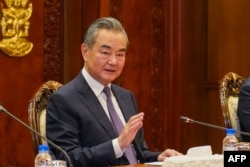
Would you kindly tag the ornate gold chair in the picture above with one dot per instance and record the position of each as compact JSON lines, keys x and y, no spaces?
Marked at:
{"x":37,"y":110}
{"x":229,"y":91}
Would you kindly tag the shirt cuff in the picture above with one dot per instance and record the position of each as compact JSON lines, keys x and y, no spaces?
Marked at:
{"x":117,"y":149}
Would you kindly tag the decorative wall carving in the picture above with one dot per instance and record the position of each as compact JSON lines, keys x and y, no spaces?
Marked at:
{"x":53,"y":40}
{"x":116,"y":8}
{"x":156,"y":75}
{"x":15,"y":26}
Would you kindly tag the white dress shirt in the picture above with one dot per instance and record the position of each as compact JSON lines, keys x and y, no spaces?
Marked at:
{"x":97,"y":88}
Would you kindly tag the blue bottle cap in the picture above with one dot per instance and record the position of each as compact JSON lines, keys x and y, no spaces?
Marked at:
{"x":43,"y":147}
{"x":230,"y":131}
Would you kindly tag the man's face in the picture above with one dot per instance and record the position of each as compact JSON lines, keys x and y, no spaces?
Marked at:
{"x":106,"y":59}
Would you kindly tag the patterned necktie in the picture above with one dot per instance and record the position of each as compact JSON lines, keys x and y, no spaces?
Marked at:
{"x":118,"y":126}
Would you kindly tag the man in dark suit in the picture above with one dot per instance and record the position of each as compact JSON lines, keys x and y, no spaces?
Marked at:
{"x":78,"y":118}
{"x":243,"y":109}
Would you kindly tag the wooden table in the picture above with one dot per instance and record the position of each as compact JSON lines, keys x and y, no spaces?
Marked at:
{"x":137,"y":165}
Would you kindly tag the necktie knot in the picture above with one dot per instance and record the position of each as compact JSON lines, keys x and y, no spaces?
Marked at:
{"x":107,"y":91}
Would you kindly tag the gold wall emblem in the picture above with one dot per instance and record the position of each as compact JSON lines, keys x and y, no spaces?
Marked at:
{"x":15,"y":27}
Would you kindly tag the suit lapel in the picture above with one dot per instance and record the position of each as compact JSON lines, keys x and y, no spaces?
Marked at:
{"x":128,"y":111}
{"x":89,"y":100}
{"x":122,"y":102}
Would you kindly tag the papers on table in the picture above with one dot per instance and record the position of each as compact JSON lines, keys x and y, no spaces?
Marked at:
{"x":154,"y":163}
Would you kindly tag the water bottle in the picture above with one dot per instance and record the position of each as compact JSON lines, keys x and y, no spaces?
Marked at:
{"x":230,"y":142}
{"x":43,"y":158}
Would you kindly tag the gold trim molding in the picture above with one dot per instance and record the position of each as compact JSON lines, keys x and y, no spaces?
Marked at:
{"x":15,"y":26}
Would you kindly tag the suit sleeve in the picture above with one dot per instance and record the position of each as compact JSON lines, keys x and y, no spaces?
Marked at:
{"x":143,"y":152}
{"x":63,"y":127}
{"x":243,"y":110}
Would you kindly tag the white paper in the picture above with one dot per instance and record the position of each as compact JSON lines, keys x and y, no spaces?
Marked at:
{"x":158,"y":163}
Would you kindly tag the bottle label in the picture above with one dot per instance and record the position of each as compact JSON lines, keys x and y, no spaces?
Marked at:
{"x":228,"y":148}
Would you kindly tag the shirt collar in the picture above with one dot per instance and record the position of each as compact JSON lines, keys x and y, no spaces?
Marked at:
{"x":96,"y":86}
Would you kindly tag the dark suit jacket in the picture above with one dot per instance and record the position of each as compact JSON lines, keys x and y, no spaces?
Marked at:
{"x":77,"y":122}
{"x":243,"y":110}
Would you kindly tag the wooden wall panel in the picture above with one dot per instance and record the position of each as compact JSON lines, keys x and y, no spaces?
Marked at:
{"x":78,"y":15}
{"x":186,"y":45}
{"x":72,"y":38}
{"x":20,"y":77}
{"x":229,"y":30}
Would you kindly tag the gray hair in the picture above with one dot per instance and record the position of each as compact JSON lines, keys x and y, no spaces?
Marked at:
{"x":107,"y":23}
